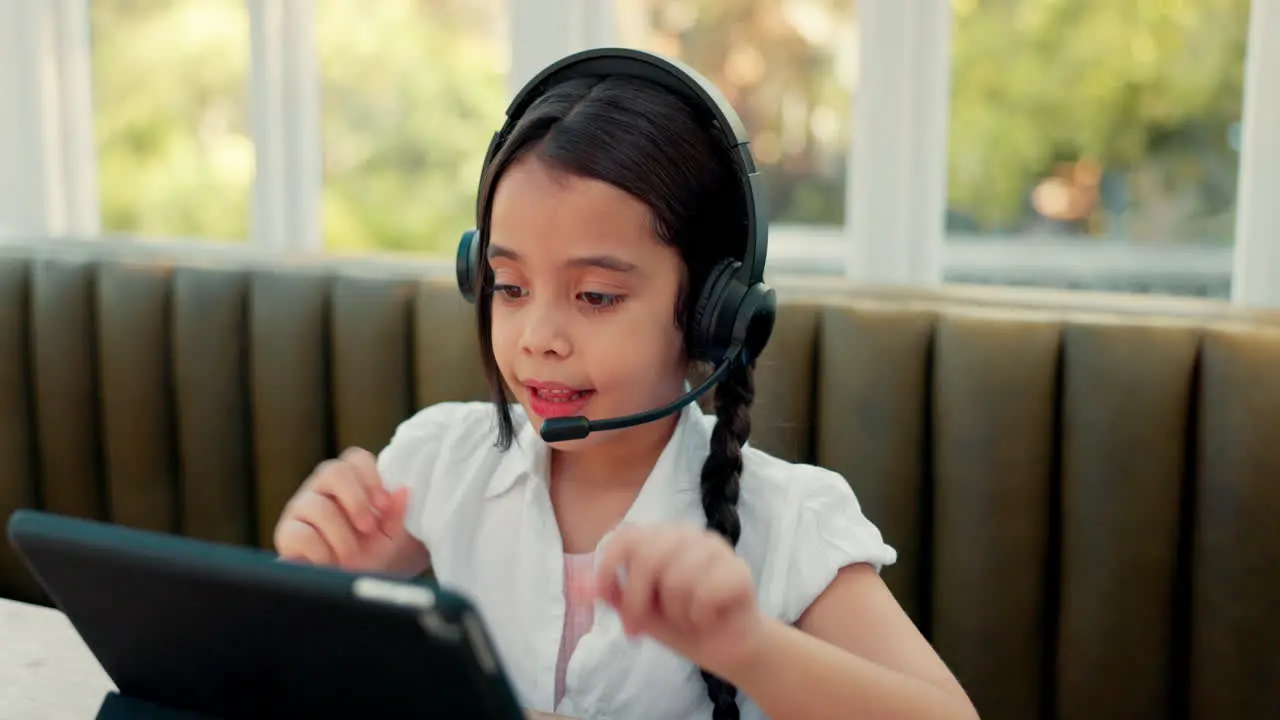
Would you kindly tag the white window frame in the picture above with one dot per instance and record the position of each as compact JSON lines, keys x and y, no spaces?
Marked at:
{"x":543,"y":31}
{"x":895,"y":225}
{"x":1256,"y":276}
{"x":895,"y":215}
{"x":284,"y":113}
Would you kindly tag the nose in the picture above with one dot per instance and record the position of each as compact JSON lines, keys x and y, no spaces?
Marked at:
{"x":545,"y":332}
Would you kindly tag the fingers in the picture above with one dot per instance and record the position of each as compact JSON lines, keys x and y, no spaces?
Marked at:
{"x":342,"y":514}
{"x":641,"y":590}
{"x":688,"y":573}
{"x":646,"y":573}
{"x":329,"y":521}
{"x":392,"y":524}
{"x":715,"y":593}
{"x":340,"y":481}
{"x":386,"y":510}
{"x":365,"y":467}
{"x":683,"y":587}
{"x":299,"y":540}
{"x":353,"y":482}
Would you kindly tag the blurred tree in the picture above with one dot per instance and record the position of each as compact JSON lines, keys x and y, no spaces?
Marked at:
{"x":1111,"y":117}
{"x":789,"y":69}
{"x":1133,"y":101}
{"x":412,"y":93}
{"x":1090,"y":116}
{"x":170,"y":87}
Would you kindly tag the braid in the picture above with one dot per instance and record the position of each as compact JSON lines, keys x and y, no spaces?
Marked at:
{"x":720,"y":476}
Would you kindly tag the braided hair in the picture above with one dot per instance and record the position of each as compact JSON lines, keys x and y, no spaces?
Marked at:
{"x":640,"y":138}
{"x":721,"y":474}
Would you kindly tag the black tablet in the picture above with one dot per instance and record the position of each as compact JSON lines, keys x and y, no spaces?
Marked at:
{"x":231,"y":632}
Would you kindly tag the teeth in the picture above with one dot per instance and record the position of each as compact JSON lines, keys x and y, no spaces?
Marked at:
{"x":559,"y":395}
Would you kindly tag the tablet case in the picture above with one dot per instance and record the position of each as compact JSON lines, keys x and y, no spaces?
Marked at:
{"x":180,"y":621}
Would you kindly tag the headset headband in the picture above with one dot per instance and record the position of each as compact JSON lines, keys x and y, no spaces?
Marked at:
{"x":699,"y":94}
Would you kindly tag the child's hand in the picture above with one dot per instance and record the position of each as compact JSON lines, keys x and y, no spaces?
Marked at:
{"x":685,"y":587}
{"x":342,"y":515}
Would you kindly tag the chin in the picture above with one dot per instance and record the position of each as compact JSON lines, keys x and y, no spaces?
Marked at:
{"x":536,"y":421}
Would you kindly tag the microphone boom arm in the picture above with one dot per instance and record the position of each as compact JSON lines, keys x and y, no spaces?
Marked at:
{"x":576,"y":428}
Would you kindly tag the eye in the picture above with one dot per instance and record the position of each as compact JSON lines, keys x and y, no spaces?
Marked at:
{"x":600,"y":301}
{"x":509,"y":292}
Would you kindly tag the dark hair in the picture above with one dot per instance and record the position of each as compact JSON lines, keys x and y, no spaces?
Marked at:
{"x":646,"y":141}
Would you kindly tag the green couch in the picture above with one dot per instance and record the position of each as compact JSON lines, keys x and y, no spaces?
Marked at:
{"x":1083,"y":488}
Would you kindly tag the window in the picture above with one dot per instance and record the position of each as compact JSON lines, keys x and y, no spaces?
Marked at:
{"x":789,"y":67}
{"x":412,"y":91}
{"x":1096,"y":119}
{"x":170,"y":88}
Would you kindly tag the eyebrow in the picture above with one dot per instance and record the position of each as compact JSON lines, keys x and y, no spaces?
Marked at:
{"x":604,"y":262}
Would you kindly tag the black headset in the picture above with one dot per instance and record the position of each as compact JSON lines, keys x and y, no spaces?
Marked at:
{"x":735,"y":310}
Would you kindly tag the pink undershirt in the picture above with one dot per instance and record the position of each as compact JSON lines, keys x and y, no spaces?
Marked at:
{"x":579,"y":611}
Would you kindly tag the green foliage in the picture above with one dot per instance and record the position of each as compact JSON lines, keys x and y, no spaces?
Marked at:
{"x":1140,"y":86}
{"x":413,"y":89}
{"x":174,"y":153}
{"x":788,"y":69}
{"x":411,"y":93}
{"x":410,"y":102}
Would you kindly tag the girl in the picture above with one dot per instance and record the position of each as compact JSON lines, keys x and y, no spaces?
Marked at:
{"x":662,"y":571}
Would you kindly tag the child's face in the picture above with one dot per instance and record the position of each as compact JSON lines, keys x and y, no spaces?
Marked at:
{"x":584,"y":307}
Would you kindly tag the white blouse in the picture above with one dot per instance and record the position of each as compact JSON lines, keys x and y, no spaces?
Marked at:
{"x":487,"y":519}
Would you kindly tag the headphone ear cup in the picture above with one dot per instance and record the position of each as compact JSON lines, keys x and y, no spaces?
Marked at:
{"x":468,"y":263}
{"x":755,"y":317}
{"x":706,"y":336}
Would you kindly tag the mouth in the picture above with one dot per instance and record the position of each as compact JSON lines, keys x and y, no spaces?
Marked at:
{"x":550,"y":400}
{"x":559,"y":395}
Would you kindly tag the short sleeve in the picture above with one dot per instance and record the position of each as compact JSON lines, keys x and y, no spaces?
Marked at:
{"x":829,"y":533}
{"x":411,"y":458}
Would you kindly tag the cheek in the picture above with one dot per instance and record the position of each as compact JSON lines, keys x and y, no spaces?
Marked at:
{"x":504,"y":335}
{"x":650,"y":350}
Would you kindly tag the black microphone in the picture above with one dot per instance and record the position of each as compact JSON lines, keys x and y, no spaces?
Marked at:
{"x":578,"y":427}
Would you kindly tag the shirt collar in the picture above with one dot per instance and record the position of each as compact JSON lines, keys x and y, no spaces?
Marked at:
{"x":671,"y":488}
{"x":528,"y":457}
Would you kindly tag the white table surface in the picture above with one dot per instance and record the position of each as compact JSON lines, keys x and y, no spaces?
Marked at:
{"x":46,"y":671}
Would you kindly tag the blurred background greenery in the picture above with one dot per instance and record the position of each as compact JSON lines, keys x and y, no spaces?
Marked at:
{"x":1085,"y":118}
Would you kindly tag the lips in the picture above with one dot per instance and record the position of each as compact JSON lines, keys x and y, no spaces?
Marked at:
{"x":550,"y":399}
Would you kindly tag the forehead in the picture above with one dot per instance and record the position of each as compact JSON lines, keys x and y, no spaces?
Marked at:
{"x":543,"y":213}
